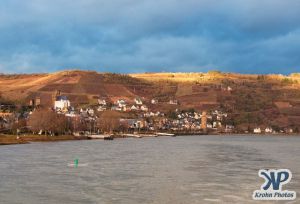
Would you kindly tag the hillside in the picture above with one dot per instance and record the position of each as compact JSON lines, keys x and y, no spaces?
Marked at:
{"x":81,"y":87}
{"x":249,"y":99}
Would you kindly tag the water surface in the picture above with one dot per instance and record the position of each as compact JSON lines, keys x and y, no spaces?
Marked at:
{"x":187,"y":169}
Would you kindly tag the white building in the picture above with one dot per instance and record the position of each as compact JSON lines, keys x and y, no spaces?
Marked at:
{"x":90,"y":111}
{"x":138,"y":101}
{"x":217,"y":124}
{"x":229,"y":128}
{"x":144,"y":108}
{"x":268,"y":130}
{"x":101,"y":108}
{"x":173,"y":102}
{"x":126,"y":108}
{"x":116,"y":108}
{"x":209,"y":125}
{"x":121,"y":103}
{"x":154,"y":101}
{"x":71,"y":114}
{"x":102,"y":102}
{"x":257,"y":130}
{"x":152,"y":114}
{"x":61,"y":103}
{"x":133,"y":107}
{"x":219,"y":117}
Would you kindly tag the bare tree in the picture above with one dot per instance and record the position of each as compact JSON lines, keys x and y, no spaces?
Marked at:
{"x":19,"y":126}
{"x":124,"y":126}
{"x":109,"y":121}
{"x":48,"y":121}
{"x":78,"y":125}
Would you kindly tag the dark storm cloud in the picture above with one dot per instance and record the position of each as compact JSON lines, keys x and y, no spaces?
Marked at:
{"x":250,"y":36}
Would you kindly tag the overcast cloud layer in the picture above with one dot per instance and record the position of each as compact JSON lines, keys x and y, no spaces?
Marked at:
{"x":247,"y":36}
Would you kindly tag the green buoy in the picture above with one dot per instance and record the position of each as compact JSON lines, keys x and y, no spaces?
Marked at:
{"x":76,"y":162}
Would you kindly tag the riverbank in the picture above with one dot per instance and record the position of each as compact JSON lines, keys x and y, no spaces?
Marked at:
{"x":24,"y":139}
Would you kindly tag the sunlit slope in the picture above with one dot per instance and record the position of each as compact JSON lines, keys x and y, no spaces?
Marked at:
{"x":250,"y":98}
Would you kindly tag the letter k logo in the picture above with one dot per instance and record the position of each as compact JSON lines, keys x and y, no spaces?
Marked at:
{"x":275,"y":178}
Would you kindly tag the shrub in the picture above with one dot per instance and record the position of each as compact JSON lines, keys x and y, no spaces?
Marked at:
{"x":215,"y":72}
{"x":288,"y":81}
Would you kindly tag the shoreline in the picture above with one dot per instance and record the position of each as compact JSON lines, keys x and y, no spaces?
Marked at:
{"x":26,"y":139}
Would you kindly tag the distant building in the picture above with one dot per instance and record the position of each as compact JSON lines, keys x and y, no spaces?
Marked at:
{"x":125,"y":108}
{"x":154,"y":101}
{"x":257,"y":130}
{"x":90,"y":111}
{"x":144,"y":108}
{"x":138,"y":101}
{"x":116,"y":108}
{"x":173,"y":102}
{"x":282,"y":104}
{"x":134,"y":108}
{"x":229,"y":128}
{"x":121,"y":103}
{"x":5,"y":114}
{"x":268,"y":130}
{"x":101,"y":108}
{"x":102,"y":102}
{"x":209,"y":125}
{"x":61,"y":103}
{"x":35,"y":102}
{"x":217,"y":124}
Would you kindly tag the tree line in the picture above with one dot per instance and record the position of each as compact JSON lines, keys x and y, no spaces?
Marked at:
{"x":47,"y":121}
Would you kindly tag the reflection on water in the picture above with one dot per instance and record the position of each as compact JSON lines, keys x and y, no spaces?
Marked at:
{"x":187,"y":169}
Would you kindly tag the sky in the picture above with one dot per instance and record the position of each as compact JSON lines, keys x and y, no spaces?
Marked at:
{"x":125,"y":36}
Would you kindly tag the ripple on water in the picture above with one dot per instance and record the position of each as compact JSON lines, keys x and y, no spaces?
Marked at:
{"x":158,"y":170}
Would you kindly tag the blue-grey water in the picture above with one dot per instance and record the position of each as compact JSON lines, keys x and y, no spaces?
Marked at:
{"x":187,"y":169}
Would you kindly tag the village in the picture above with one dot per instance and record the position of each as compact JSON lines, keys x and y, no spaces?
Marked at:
{"x":120,"y":118}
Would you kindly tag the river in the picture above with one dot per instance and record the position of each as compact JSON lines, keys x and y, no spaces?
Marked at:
{"x":184,"y":169}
